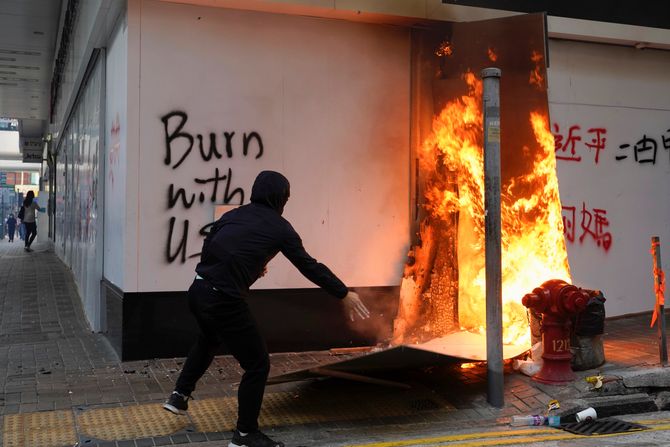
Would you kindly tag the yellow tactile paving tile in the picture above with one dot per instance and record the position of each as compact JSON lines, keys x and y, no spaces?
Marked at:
{"x":220,"y":414}
{"x":130,"y":422}
{"x":213,"y":415}
{"x":43,"y":429}
{"x":57,"y":428}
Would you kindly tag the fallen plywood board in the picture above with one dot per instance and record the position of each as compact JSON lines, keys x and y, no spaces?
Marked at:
{"x":468,"y":346}
{"x":458,"y":347}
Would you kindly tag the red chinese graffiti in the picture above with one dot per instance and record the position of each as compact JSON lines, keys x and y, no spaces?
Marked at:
{"x":598,"y":141}
{"x":566,"y":146}
{"x":569,"y":223}
{"x":570,"y":143}
{"x":593,"y":225}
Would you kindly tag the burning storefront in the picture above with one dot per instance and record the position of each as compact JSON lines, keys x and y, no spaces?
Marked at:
{"x":375,"y":115}
{"x":190,"y":99}
{"x":442,"y":302}
{"x":443,"y":287}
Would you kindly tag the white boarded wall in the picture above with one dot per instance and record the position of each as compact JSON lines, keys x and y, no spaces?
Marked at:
{"x":115,"y":155}
{"x":626,"y":93}
{"x":328,"y":99}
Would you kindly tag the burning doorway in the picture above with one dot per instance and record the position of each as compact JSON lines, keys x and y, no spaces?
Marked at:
{"x":443,"y":288}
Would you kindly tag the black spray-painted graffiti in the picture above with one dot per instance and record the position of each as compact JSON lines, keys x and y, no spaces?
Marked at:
{"x":178,"y":146}
{"x":645,"y":149}
{"x":182,"y":117}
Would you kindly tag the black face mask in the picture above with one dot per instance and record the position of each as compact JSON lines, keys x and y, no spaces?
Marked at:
{"x":271,"y":189}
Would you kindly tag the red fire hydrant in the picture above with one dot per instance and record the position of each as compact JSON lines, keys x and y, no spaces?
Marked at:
{"x":557,"y":301}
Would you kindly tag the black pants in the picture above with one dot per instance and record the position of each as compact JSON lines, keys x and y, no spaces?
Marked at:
{"x":31,"y":232}
{"x":228,"y":321}
{"x":10,"y":232}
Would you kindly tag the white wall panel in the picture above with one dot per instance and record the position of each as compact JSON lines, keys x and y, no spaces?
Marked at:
{"x":330,"y":102}
{"x":78,"y":238}
{"x":115,"y":156}
{"x":624,"y":92}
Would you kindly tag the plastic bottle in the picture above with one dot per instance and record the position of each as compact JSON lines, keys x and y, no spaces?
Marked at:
{"x":534,"y":419}
{"x":554,"y":421}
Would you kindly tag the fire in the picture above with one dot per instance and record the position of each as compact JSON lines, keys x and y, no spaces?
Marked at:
{"x":492,"y":54}
{"x":445,"y":49}
{"x":457,"y":134}
{"x":533,"y":247}
{"x":469,"y":365}
{"x":535,"y":74}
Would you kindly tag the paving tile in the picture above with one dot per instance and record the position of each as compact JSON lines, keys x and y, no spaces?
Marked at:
{"x":196,"y":437}
{"x":179,"y":439}
{"x":534,"y":403}
{"x":162,"y":440}
{"x":145,"y":442}
{"x":9,"y":409}
{"x":527,"y":392}
{"x":215,"y":436}
{"x":522,"y":407}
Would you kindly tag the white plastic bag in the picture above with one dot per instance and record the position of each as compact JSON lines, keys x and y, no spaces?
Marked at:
{"x":533,"y":365}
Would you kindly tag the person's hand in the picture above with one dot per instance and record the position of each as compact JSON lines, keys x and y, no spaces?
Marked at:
{"x":355,"y":307}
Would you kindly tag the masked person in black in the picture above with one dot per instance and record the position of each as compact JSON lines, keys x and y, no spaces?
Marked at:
{"x":234,"y":255}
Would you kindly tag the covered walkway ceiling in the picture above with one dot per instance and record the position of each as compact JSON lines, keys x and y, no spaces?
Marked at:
{"x":27,"y":40}
{"x":28,"y":30}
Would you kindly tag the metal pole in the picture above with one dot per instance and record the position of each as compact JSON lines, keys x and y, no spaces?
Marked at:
{"x":659,"y":306}
{"x":494,"y":351}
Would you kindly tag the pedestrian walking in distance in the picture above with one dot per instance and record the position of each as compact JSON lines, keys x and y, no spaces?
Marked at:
{"x":234,"y":255}
{"x":11,"y":227}
{"x":28,"y":219}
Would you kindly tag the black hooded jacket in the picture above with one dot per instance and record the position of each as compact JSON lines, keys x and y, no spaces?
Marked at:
{"x":245,"y":239}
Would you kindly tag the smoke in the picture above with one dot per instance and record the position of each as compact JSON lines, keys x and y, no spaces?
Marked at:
{"x":383,"y":305}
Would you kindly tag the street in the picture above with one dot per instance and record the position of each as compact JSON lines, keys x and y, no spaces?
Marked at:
{"x":658,"y":434}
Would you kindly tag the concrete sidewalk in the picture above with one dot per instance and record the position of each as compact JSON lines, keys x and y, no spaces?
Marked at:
{"x":62,"y":384}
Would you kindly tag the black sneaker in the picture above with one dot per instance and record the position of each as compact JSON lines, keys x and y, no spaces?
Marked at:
{"x":177,"y":403}
{"x":253,"y":439}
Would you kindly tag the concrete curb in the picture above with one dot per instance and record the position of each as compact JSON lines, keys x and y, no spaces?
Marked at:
{"x":658,"y":377}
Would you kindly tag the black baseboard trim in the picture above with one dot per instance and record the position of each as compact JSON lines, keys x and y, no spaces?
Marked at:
{"x":112,"y":297}
{"x":159,"y":324}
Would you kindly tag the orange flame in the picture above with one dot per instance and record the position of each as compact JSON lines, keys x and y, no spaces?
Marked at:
{"x":535,"y":74}
{"x":469,"y":365}
{"x":492,"y":55}
{"x":445,"y":49}
{"x":533,"y":247}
